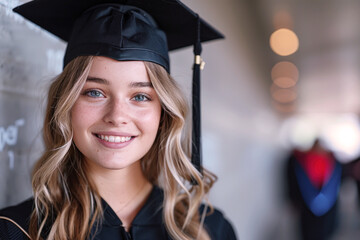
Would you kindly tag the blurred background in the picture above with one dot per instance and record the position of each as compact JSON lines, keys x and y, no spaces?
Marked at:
{"x":286,"y":74}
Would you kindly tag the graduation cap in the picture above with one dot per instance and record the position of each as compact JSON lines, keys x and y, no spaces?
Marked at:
{"x":143,"y":30}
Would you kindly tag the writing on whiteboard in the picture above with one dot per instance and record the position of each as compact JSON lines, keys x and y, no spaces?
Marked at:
{"x":9,"y":136}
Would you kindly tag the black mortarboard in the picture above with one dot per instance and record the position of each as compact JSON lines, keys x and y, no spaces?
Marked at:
{"x":127,"y":30}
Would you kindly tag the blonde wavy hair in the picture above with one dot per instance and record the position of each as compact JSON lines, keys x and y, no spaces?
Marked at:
{"x":65,"y":196}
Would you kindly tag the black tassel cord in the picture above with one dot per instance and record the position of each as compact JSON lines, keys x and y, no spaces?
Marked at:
{"x":196,"y":155}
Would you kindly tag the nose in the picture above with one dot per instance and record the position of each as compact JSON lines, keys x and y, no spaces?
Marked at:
{"x":117,"y":113}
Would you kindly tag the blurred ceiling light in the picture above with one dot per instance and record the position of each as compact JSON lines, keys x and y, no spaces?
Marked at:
{"x":283,"y":95}
{"x":343,"y":134}
{"x":303,"y":133}
{"x":284,"y":108}
{"x":339,"y":132}
{"x":285,"y":74}
{"x":282,"y":19}
{"x":284,"y":42}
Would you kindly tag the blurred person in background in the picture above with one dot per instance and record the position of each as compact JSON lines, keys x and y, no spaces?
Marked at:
{"x":352,"y":171}
{"x":313,"y":180}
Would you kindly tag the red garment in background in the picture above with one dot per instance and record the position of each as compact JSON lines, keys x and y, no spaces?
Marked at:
{"x":317,"y":165}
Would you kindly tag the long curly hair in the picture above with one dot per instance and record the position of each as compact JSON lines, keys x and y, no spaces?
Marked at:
{"x":67,"y":203}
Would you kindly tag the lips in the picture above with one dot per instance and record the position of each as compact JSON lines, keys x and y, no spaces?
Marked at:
{"x":113,"y":138}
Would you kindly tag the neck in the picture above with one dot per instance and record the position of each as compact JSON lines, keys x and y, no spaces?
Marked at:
{"x":125,"y":190}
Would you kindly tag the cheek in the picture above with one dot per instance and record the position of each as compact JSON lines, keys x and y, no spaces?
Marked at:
{"x":76,"y":117}
{"x":150,"y":119}
{"x":155,"y":118}
{"x":81,"y":116}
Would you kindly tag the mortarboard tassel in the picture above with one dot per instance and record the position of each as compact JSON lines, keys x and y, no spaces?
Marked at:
{"x":196,"y":156}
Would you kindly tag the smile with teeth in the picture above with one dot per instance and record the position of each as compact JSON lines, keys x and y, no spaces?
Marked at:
{"x":114,"y":139}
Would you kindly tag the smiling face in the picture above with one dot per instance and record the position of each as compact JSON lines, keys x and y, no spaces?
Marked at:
{"x":116,"y":117}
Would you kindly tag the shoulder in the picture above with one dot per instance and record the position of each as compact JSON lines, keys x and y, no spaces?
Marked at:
{"x":215,"y":222}
{"x":15,"y":218}
{"x":20,"y":212}
{"x":218,"y":226}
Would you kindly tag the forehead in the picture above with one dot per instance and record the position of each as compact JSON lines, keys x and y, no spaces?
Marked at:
{"x":104,"y":67}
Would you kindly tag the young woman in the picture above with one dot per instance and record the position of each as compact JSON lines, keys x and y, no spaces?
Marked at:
{"x":117,"y":162}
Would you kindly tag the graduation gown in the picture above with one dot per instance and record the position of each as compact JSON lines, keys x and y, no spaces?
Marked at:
{"x":148,"y":223}
{"x":317,"y":205}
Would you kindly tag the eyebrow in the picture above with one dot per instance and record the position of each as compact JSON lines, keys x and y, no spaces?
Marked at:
{"x":98,"y":80}
{"x":132,"y":84}
{"x":140,"y":84}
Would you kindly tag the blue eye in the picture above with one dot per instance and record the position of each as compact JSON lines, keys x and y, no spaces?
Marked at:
{"x":94,"y":93}
{"x":141,"y":98}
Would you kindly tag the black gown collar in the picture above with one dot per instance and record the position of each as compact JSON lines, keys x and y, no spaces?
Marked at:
{"x":147,"y":224}
{"x":149,"y":214}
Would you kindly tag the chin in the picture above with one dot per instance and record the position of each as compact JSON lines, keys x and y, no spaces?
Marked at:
{"x":115,"y":164}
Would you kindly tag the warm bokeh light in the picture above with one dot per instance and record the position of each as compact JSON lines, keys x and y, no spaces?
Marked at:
{"x":283,"y":95}
{"x":285,"y":107}
{"x":284,"y":42}
{"x":282,"y":19}
{"x":285,"y":74}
